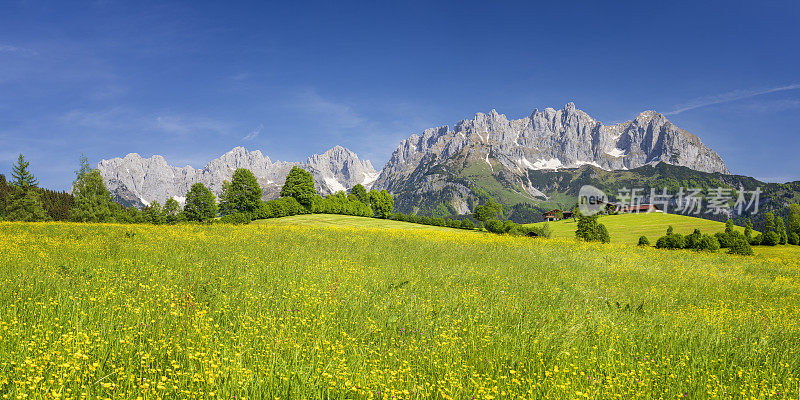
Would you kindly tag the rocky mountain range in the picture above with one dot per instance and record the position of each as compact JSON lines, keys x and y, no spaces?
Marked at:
{"x":444,"y":169}
{"x":137,"y":181}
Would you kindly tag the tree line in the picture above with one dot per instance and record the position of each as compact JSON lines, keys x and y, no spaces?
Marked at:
{"x":240,"y":201}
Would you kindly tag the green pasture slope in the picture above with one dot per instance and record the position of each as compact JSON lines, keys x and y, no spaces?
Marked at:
{"x":333,"y":220}
{"x":626,"y":228}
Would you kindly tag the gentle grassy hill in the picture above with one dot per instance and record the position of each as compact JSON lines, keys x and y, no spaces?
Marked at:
{"x":266,"y":311}
{"x":626,"y":228}
{"x":332,"y":220}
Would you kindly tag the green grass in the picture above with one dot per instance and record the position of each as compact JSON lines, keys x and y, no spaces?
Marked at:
{"x":332,"y":220}
{"x":626,"y":228}
{"x":290,"y":310}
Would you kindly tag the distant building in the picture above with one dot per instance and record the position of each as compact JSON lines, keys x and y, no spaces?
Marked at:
{"x":555,"y":215}
{"x":637,"y":208}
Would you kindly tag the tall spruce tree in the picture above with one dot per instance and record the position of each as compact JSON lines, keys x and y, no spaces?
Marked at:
{"x":25,"y":203}
{"x":793,"y":222}
{"x":5,"y":193}
{"x":780,"y":229}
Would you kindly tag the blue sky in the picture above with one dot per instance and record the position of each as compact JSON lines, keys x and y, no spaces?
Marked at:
{"x":190,"y":80}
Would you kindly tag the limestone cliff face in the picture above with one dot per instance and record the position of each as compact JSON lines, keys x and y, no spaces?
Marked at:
{"x":552,"y":139}
{"x":340,"y":169}
{"x":546,"y":140}
{"x":137,"y":181}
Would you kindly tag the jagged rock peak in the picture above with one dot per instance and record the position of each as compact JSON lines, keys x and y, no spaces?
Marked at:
{"x":139,"y":181}
{"x":549,"y":139}
{"x":340,"y":167}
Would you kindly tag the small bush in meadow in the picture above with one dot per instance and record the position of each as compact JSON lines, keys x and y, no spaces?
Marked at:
{"x":707,"y":243}
{"x":239,"y":218}
{"x":643,"y":241}
{"x":467,"y":224}
{"x":673,"y":241}
{"x":771,"y":238}
{"x":741,"y":247}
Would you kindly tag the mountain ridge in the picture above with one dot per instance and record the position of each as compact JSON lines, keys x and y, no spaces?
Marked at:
{"x":492,"y":155}
{"x":487,"y":154}
{"x":137,"y":181}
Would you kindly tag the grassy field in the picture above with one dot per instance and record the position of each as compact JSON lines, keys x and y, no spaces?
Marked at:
{"x":279,"y":310}
{"x":626,"y":229}
{"x":332,"y":220}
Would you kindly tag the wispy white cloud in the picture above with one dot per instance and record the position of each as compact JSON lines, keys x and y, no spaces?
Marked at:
{"x":335,"y":114}
{"x":254,"y":133}
{"x":5,"y":48}
{"x":728,"y":97}
{"x":186,"y":125}
{"x":125,"y":119}
{"x":241,"y":76}
{"x":776,"y":105}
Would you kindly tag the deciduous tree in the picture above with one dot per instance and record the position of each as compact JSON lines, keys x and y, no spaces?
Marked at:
{"x":488,"y":211}
{"x":381,"y":202}
{"x":201,"y":204}
{"x":93,"y":201}
{"x":300,"y":185}
{"x":241,"y":195}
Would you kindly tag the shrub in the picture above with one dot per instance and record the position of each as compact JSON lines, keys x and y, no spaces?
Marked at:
{"x":643,"y":241}
{"x":494,"y":226}
{"x":545,"y":231}
{"x":770,"y":238}
{"x":591,"y":231}
{"x":239,"y":218}
{"x":706,"y":243}
{"x":673,"y":241}
{"x":793,"y":238}
{"x":741,"y":247}
{"x":340,"y":203}
{"x":725,"y":239}
{"x":757,"y":239}
{"x":467,"y":224}
{"x":282,"y":207}
{"x":692,"y":240}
